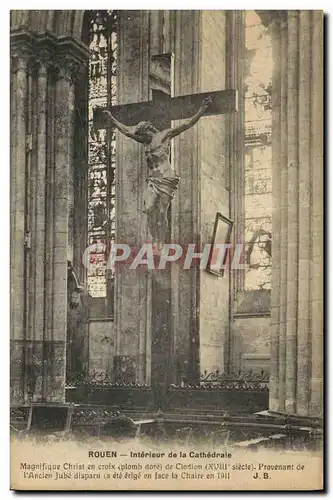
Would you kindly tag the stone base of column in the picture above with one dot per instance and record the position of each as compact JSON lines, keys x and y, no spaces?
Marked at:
{"x":37,"y":371}
{"x":16,"y":372}
{"x":316,"y":404}
{"x":274,"y":404}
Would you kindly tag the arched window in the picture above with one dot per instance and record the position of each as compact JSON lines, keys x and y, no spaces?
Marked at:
{"x":103,"y":40}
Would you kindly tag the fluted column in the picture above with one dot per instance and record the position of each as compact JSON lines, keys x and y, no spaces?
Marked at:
{"x":18,"y":200}
{"x":304,"y":215}
{"x":35,"y":283}
{"x":297,"y":289}
{"x":49,"y":209}
{"x":276,"y":218}
{"x":235,"y":122}
{"x":42,"y":126}
{"x":293,"y":169}
{"x":56,"y":344}
{"x":317,"y":213}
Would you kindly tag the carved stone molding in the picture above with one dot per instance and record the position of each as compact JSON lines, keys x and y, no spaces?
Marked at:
{"x":68,"y":67}
{"x":20,"y":60}
{"x":64,"y":54}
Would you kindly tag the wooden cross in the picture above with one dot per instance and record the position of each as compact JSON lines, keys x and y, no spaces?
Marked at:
{"x":163,"y":109}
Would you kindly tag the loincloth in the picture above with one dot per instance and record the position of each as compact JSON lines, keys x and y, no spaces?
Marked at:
{"x":164,"y":185}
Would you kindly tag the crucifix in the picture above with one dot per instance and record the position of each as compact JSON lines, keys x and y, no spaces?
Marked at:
{"x":149,"y":123}
{"x":162,"y":109}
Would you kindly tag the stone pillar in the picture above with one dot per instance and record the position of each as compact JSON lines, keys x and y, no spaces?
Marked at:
{"x":282,"y":237}
{"x":35,"y":285}
{"x":316,"y":283}
{"x":234,"y":169}
{"x":59,"y":246}
{"x":293,"y":171}
{"x":132,"y":287}
{"x":297,"y":288}
{"x":185,"y":211}
{"x":213,"y":306}
{"x":50,"y":209}
{"x":17,"y":219}
{"x":304,"y":216}
{"x":234,"y":172}
{"x":56,"y":345}
{"x":41,"y":161}
{"x":40,"y":195}
{"x":276,"y":221}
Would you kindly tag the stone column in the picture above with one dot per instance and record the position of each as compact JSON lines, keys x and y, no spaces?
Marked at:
{"x":316,"y":283}
{"x":297,"y":288}
{"x":132,"y":287}
{"x":281,"y":237}
{"x":186,"y":205}
{"x":56,"y":344}
{"x":293,"y":170}
{"x":42,"y":170}
{"x":35,"y":284}
{"x":304,"y":216}
{"x":234,"y":171}
{"x":216,"y":137}
{"x":18,"y":200}
{"x":276,"y":221}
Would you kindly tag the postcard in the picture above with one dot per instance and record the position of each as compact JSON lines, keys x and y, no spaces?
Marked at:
{"x":166,"y":250}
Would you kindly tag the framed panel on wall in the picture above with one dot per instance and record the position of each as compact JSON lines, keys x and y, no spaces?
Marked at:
{"x":221,"y":236}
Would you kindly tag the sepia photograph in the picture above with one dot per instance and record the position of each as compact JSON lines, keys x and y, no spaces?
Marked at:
{"x":166,"y":250}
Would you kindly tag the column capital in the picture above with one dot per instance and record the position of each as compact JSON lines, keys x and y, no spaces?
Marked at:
{"x":44,"y":60}
{"x":72,"y":57}
{"x":20,"y":59}
{"x":25,"y":56}
{"x":21,"y":50}
{"x":65,"y":54}
{"x":68,"y":67}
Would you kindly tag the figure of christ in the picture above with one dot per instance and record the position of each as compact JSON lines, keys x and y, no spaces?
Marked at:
{"x":162,"y":180}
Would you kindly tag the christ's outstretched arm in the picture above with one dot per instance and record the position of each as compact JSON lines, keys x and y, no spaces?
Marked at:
{"x":124,"y":129}
{"x":173,"y":132}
